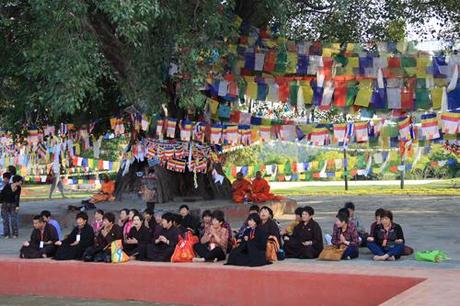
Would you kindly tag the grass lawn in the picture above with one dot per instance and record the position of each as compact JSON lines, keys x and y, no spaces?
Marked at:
{"x":41,"y":192}
{"x":445,"y":188}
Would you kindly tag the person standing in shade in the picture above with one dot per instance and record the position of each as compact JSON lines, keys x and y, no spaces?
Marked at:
{"x":5,"y":180}
{"x":10,"y":197}
{"x":54,"y":179}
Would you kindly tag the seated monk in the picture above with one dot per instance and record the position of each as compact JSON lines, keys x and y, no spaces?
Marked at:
{"x":106,"y":192}
{"x":261,"y":190}
{"x":241,"y":189}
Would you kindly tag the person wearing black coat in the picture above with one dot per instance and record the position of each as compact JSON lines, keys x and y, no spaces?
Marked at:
{"x":164,"y":242}
{"x":268,"y":225}
{"x":100,"y":251}
{"x":81,"y":238}
{"x":138,"y":237}
{"x":188,"y":221}
{"x":42,"y":239}
{"x":250,"y":251}
{"x":306,"y":241}
{"x":388,"y":240}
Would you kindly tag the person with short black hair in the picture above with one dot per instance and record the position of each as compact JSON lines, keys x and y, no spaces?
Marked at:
{"x":149,"y":219}
{"x":251,"y":248}
{"x":110,"y":232}
{"x":206,"y":218}
{"x":123,"y":217}
{"x":268,"y":225}
{"x":6,"y":176}
{"x":213,"y":244}
{"x":98,"y":222}
{"x":42,"y":239}
{"x":165,"y":241}
{"x":344,"y":233}
{"x":81,"y":238}
{"x":129,"y":224}
{"x":10,"y":198}
{"x":46,"y":215}
{"x":188,"y":222}
{"x":377,"y":216}
{"x":353,"y":217}
{"x":388,"y":240}
{"x":138,"y":237}
{"x":298,"y":217}
{"x":306,"y":241}
{"x":253,"y":209}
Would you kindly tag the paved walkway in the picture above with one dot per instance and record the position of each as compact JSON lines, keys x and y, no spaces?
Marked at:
{"x":285,"y":185}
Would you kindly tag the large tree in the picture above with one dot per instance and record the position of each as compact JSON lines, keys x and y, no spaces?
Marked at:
{"x":80,"y":60}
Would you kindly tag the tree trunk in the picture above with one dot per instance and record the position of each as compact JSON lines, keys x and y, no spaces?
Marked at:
{"x":172,"y":184}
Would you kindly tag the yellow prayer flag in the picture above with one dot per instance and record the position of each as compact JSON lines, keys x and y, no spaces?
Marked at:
{"x":307,"y":92}
{"x":327,"y":52}
{"x":292,"y":62}
{"x":353,"y":62}
{"x":436,"y":97}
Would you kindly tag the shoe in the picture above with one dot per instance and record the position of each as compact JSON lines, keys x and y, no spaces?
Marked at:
{"x":6,"y":237}
{"x":15,"y":237}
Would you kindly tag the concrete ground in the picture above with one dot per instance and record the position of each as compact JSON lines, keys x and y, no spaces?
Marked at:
{"x":429,"y":222}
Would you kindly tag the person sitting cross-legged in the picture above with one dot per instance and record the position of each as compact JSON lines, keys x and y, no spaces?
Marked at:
{"x":164,"y":242}
{"x":46,"y":215}
{"x":250,"y":250}
{"x":345,"y":233}
{"x":100,"y":251}
{"x":138,"y":237}
{"x":306,"y":240}
{"x":213,"y":244}
{"x":81,"y":238}
{"x":106,"y":193}
{"x":388,"y":240}
{"x":298,"y":218}
{"x":42,"y":239}
{"x":261,"y":190}
{"x":241,"y":189}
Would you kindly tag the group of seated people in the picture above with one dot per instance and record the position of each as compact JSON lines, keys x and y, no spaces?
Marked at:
{"x":153,"y":237}
{"x":257,"y":191}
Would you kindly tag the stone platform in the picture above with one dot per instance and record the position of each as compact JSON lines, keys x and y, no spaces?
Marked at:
{"x":201,"y":284}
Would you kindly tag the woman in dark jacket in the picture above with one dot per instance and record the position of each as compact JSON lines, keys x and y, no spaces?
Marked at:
{"x":306,"y":240}
{"x":388,"y":240}
{"x":251,"y":249}
{"x":81,"y":238}
{"x":268,"y":225}
{"x":139,"y":235}
{"x":109,"y":233}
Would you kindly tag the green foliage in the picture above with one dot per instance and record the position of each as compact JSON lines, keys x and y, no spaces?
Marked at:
{"x":81,"y":60}
{"x":244,"y":156}
{"x":110,"y":149}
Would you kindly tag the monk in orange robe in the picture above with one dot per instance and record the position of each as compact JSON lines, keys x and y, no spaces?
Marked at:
{"x":241,"y":188}
{"x":106,"y":192}
{"x":261,"y":190}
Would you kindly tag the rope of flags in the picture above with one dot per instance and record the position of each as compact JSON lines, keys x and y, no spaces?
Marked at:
{"x":380,"y":76}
